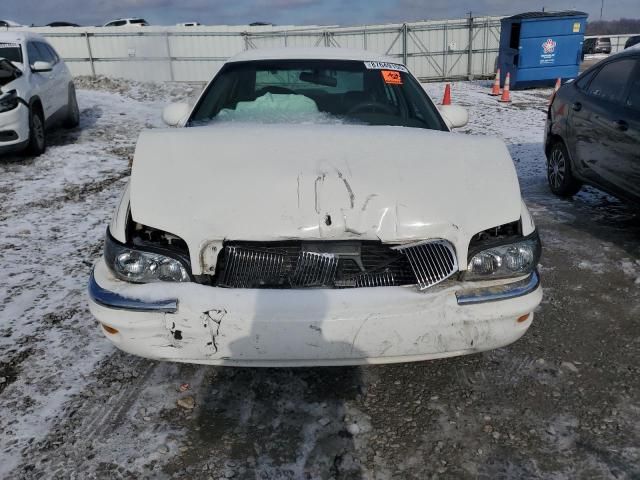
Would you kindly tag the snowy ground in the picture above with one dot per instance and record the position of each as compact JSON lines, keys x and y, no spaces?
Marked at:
{"x":563,"y":402}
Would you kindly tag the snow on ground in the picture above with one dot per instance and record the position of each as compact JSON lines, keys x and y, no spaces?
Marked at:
{"x":555,"y":404}
{"x":53,"y":217}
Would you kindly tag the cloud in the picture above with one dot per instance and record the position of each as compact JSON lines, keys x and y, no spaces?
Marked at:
{"x":353,"y":12}
{"x":287,"y":3}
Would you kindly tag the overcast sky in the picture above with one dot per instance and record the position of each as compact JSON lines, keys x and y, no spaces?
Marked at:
{"x":287,"y":12}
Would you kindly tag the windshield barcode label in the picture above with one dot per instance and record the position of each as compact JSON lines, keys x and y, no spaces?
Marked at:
{"x":385,"y":66}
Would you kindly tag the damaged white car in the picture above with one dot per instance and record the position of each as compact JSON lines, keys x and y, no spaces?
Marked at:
{"x":316,"y":210}
{"x":36,"y":93}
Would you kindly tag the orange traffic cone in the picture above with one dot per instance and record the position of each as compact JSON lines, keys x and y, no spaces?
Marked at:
{"x":555,"y":90}
{"x":506,"y":97}
{"x":495,"y":90}
{"x":446,"y":100}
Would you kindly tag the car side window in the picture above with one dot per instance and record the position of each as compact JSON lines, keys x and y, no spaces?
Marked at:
{"x":633,"y":99}
{"x":34,"y":53}
{"x":52,"y":52}
{"x":611,"y":81}
{"x":45,"y":52}
{"x":583,"y":81}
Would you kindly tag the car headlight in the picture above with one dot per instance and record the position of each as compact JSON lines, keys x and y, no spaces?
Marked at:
{"x":9,"y":101}
{"x":131,"y":264}
{"x":514,"y":259}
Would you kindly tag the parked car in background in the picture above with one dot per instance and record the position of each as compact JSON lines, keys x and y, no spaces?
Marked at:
{"x":127,"y":22}
{"x":593,"y":130}
{"x":62,"y":24}
{"x":36,"y":92}
{"x":9,"y":23}
{"x":631,"y":41}
{"x":361,"y":229}
{"x":596,"y":45}
{"x":188,"y":24}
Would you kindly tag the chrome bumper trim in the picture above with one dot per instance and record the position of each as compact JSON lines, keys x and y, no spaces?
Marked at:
{"x":116,"y":301}
{"x":501,"y":292}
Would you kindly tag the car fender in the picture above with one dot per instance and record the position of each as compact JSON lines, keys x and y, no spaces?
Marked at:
{"x":558,"y":116}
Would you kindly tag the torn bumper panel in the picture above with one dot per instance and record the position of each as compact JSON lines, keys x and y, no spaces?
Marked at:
{"x":311,"y":327}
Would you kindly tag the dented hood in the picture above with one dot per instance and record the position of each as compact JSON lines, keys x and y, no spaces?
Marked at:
{"x":278,"y":182}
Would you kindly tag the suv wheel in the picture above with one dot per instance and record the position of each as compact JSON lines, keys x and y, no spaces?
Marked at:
{"x":73,"y":112}
{"x":561,"y":179}
{"x":37,"y":139}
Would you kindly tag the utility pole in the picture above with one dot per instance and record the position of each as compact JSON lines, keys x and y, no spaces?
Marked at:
{"x":601,"y":8}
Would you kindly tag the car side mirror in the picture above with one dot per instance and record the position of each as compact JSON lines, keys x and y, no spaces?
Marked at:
{"x":454,"y":115}
{"x":41,"y":66}
{"x":175,"y":114}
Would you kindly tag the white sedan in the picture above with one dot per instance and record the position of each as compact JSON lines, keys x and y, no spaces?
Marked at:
{"x":316,"y":210}
{"x":36,"y":92}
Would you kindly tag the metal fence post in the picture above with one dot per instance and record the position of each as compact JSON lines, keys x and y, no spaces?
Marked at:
{"x":445,"y":49}
{"x":169,"y":58}
{"x":405,"y":30}
{"x":470,"y":55}
{"x":93,"y":69}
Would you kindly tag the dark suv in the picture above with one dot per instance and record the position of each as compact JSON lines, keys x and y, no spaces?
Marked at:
{"x":593,"y":130}
{"x":596,"y":45}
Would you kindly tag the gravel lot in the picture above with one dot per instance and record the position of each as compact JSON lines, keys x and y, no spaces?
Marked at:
{"x":562,"y":402}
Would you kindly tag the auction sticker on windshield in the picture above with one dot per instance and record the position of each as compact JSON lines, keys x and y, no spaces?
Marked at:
{"x":391,"y":77}
{"x":385,"y":66}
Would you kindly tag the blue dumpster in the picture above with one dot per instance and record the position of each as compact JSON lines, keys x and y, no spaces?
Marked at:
{"x":537,"y":48}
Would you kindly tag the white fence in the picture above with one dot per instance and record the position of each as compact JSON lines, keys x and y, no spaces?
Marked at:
{"x":433,"y":50}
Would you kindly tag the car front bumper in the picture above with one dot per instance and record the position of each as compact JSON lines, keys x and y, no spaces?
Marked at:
{"x":314,"y":327}
{"x":14,"y":129}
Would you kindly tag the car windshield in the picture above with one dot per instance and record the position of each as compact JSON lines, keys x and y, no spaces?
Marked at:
{"x":11,"y":51}
{"x":317,"y":91}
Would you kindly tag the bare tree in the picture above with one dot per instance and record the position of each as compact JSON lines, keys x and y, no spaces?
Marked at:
{"x":613,"y":27}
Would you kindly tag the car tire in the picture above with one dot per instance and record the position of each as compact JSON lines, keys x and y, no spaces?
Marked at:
{"x":559,"y":174}
{"x":73,"y":111}
{"x":37,"y":134}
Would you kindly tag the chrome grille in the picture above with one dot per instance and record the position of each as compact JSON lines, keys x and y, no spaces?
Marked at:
{"x":327,"y":264}
{"x":376,"y":279}
{"x":432,"y":261}
{"x":314,"y":269}
{"x":248,"y":268}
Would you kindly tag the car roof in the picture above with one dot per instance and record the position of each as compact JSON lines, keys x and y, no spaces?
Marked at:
{"x":624,"y":53}
{"x":10,"y":23}
{"x":314,"y":53}
{"x":19,"y":36}
{"x":129,"y":19}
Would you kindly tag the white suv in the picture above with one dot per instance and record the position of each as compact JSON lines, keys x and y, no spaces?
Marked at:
{"x":127,"y":22}
{"x":36,"y":92}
